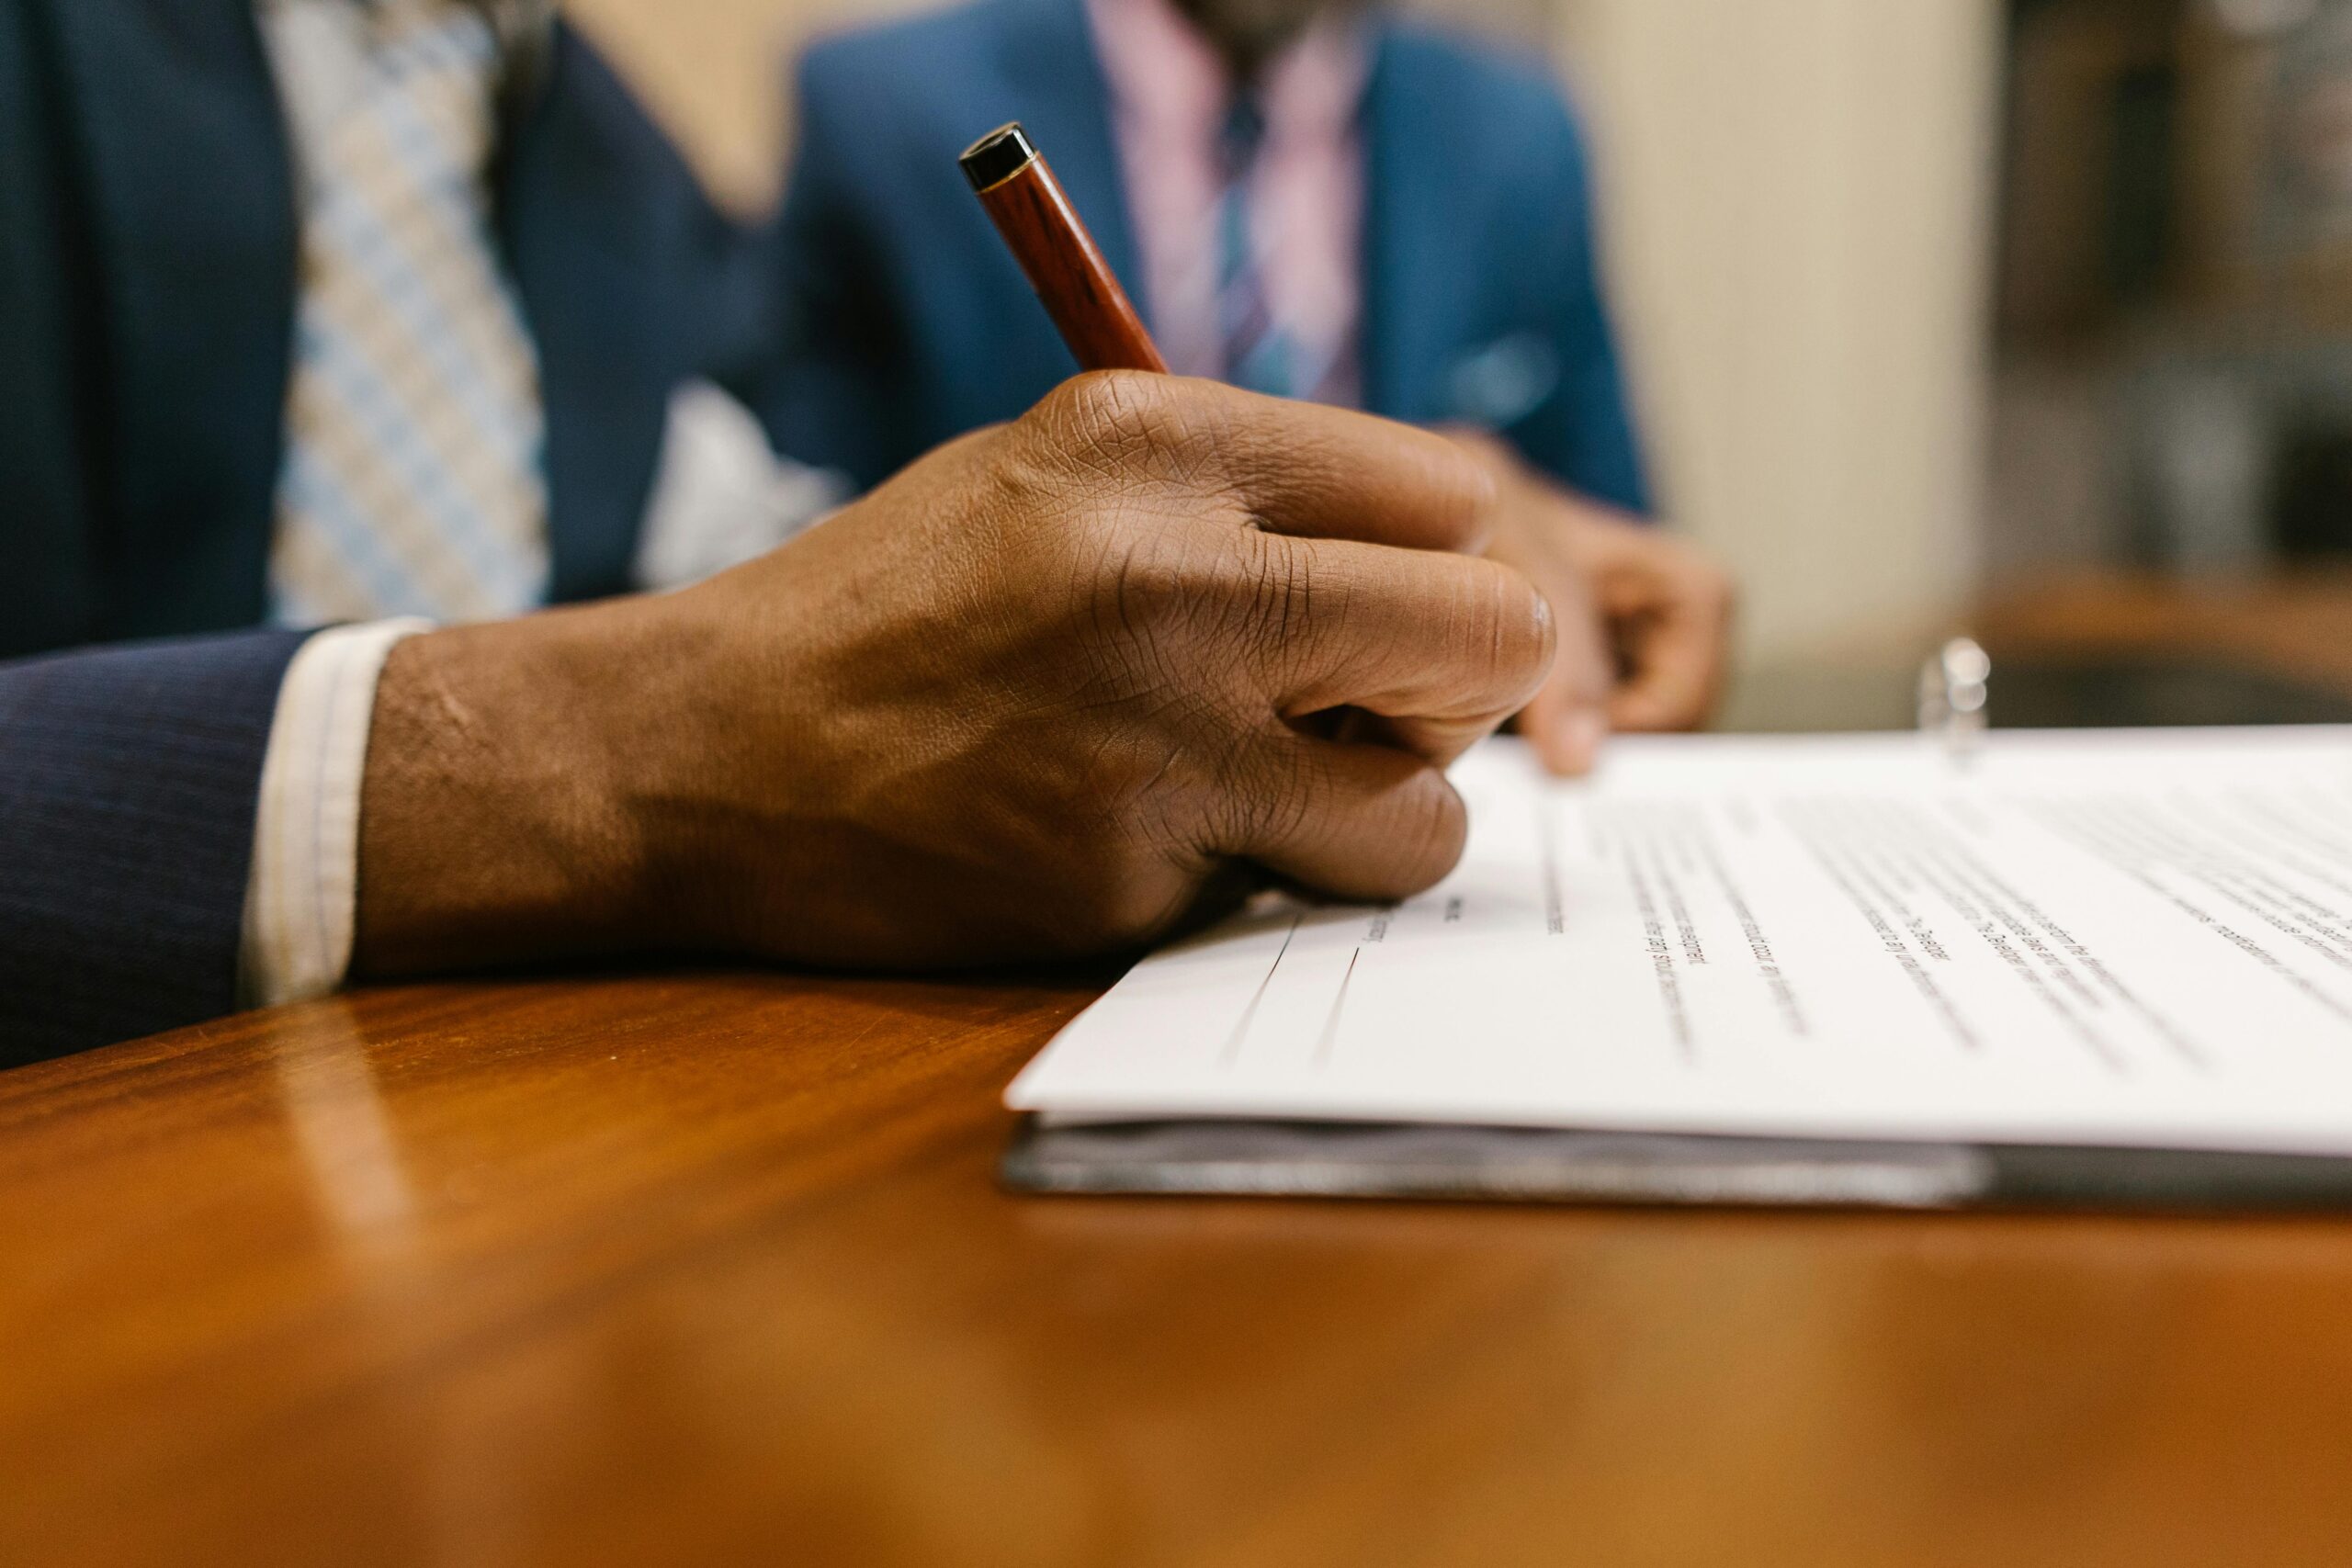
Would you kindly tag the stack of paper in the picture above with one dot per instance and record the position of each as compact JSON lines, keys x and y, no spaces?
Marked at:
{"x":2127,"y":939}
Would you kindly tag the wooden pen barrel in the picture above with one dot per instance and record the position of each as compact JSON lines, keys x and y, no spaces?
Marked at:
{"x":1056,"y":255}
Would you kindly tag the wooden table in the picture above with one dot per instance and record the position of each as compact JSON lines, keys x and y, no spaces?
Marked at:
{"x":713,"y":1268}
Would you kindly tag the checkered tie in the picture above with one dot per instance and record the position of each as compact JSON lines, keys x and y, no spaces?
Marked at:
{"x":1259,"y":353}
{"x":411,"y":482}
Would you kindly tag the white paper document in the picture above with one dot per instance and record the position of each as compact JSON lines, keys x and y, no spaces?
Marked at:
{"x":2125,"y":938}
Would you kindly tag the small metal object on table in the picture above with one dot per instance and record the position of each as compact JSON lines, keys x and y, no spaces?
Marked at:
{"x":1954,"y":684}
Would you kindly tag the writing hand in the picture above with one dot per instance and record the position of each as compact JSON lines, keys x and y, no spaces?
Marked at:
{"x":1030,"y":698}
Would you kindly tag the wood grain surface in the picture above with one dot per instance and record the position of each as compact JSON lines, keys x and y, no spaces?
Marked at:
{"x":1063,"y":264}
{"x":713,"y":1268}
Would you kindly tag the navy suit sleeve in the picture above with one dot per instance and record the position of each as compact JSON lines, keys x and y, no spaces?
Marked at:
{"x":128,"y":778}
{"x":837,"y":395}
{"x":46,"y":560}
{"x":1584,"y":433}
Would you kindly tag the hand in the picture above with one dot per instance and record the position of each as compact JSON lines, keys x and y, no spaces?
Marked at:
{"x":1644,"y":618}
{"x":1030,"y":698}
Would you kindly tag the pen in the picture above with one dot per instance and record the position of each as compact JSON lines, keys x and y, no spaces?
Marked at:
{"x":1060,"y":259}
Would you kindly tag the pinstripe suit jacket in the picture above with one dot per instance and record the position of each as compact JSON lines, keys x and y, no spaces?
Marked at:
{"x":147,"y":278}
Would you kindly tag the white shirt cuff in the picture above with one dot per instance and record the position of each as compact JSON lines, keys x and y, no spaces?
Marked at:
{"x":302,"y":894}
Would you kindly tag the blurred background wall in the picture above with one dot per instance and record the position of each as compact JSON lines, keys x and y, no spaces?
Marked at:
{"x":1796,"y":198}
{"x":1798,"y":193}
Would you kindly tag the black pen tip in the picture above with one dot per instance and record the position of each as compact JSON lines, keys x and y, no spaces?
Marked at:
{"x":997,"y":156}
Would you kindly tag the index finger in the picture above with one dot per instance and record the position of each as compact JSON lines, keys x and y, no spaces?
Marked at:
{"x":1295,"y":467}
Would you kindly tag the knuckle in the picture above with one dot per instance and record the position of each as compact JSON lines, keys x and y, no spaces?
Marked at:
{"x":1277,"y":589}
{"x":1196,"y":616}
{"x":1142,"y":431}
{"x":1127,"y":901}
{"x":1111,"y":411}
{"x":1153,"y":835}
{"x":1121,"y":864}
{"x":1269,"y":794}
{"x":1159,"y":584}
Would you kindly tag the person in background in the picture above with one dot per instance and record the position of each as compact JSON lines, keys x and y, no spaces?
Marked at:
{"x":1310,"y":198}
{"x":368,"y":314}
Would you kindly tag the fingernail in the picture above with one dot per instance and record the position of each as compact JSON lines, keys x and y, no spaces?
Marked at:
{"x":1544,"y":616}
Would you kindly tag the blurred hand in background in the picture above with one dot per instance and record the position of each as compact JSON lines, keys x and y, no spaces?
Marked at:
{"x":1644,"y":619}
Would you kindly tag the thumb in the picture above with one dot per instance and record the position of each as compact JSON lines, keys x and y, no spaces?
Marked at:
{"x":1567,"y":719}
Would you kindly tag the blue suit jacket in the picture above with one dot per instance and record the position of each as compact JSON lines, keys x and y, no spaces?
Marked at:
{"x":147,"y":259}
{"x":913,"y":325}
{"x":147,"y":278}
